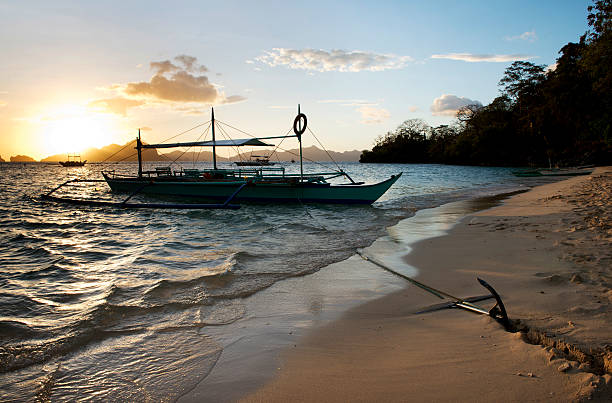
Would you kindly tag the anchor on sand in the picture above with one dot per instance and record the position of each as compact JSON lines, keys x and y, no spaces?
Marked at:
{"x":498,"y":312}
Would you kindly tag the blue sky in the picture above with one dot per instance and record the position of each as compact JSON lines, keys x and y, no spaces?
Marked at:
{"x":77,"y":74}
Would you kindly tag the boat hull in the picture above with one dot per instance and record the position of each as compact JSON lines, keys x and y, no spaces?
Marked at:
{"x":283,"y":192}
{"x":72,"y":163}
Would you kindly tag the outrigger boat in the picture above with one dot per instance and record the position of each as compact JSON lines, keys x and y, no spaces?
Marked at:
{"x":74,"y":162}
{"x":261,"y":184}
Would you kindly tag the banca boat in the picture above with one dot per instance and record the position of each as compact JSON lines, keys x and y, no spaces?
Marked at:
{"x":254,"y":184}
{"x":73,"y":162}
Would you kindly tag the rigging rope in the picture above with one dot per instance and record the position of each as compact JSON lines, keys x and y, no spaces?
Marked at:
{"x":324,"y":149}
{"x":125,"y":158}
{"x":241,"y":131}
{"x":279,"y":144}
{"x":226,"y":136}
{"x":288,"y":151}
{"x":115,"y":153}
{"x":186,"y":131}
{"x":187,"y":149}
{"x":197,"y":158}
{"x":131,"y":155}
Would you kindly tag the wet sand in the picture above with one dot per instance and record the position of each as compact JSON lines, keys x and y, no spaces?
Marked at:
{"x":281,"y":315}
{"x":546,"y":251}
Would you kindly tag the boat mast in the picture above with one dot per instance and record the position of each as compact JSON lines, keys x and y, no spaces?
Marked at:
{"x":139,"y":148}
{"x":212,"y":119}
{"x":300,"y":140}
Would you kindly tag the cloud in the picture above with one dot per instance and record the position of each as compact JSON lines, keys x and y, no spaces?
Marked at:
{"x":190,"y":63}
{"x":118,"y":105}
{"x":552,"y":67}
{"x":232,"y":99}
{"x":413,"y":108}
{"x":371,"y":115}
{"x":473,"y":58}
{"x":146,"y":129}
{"x":334,"y":60}
{"x":449,"y":105}
{"x":173,"y":82}
{"x":3,"y":103}
{"x":165,"y":66}
{"x":180,"y":86}
{"x":525,"y":36}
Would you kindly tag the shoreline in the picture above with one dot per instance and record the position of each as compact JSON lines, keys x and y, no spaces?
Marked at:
{"x":276,"y":318}
{"x":532,"y":250}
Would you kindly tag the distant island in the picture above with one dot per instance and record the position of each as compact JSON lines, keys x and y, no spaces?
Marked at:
{"x":558,"y":115}
{"x":126,"y":152}
{"x":22,"y":158}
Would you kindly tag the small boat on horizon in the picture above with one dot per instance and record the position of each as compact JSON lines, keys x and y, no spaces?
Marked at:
{"x":74,"y":162}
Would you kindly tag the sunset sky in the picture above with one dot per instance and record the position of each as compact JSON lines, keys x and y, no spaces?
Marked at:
{"x":77,"y":74}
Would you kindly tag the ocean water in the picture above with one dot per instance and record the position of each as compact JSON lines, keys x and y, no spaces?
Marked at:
{"x":101,"y":303}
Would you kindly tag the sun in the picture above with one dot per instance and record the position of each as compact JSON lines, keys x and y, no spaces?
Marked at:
{"x":72,"y":129}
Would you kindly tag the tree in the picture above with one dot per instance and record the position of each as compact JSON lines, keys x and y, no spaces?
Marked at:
{"x":521,"y":79}
{"x":563,"y":116}
{"x":465,"y":113}
{"x":599,"y":19}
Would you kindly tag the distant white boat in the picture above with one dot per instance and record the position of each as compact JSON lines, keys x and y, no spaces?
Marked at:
{"x":256,"y":161}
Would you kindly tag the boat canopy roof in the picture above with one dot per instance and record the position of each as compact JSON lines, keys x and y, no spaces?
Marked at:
{"x":217,"y":143}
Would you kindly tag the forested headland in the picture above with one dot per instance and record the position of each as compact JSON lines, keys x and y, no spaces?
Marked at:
{"x":560,"y":116}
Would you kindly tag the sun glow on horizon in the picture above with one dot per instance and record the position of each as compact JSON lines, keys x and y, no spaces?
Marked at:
{"x":73,"y":129}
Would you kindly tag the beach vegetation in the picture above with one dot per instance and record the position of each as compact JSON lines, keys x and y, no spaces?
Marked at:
{"x":557,"y":115}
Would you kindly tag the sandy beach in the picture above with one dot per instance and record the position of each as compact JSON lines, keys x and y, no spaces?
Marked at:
{"x":546,"y":251}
